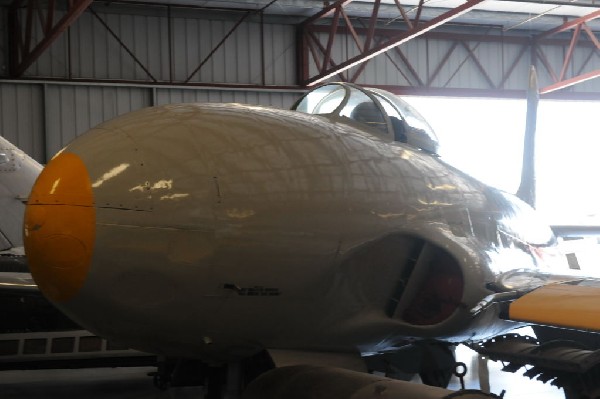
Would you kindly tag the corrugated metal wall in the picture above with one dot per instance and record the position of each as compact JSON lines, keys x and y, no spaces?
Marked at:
{"x":95,"y":53}
{"x":278,"y":99}
{"x":172,"y":44}
{"x":22,"y":117}
{"x":72,"y":110}
{"x":41,"y":118}
{"x":461,"y":69}
{"x":581,"y":57}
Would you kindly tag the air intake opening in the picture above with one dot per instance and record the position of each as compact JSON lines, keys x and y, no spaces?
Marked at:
{"x":435,"y":288}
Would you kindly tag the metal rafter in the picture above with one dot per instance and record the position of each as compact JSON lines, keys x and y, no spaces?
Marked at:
{"x":366,"y":50}
{"x":470,"y":42}
{"x":560,"y":80}
{"x":25,"y":49}
{"x":316,"y":42}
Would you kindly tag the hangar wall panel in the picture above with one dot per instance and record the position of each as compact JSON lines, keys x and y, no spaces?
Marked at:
{"x":22,"y":117}
{"x":584,"y":60}
{"x":170,"y":51}
{"x":278,"y":99}
{"x":72,"y":110}
{"x":425,"y":55}
{"x":42,"y":117}
{"x":510,"y":54}
{"x":462,"y":64}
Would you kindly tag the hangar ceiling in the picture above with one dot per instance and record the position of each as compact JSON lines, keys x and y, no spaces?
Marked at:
{"x":371,"y":27}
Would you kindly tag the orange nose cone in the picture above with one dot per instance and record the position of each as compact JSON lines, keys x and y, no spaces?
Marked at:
{"x":59,"y":227}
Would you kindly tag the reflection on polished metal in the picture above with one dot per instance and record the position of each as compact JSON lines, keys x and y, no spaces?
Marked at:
{"x":18,"y":172}
{"x":224,"y":229}
{"x":17,"y":175}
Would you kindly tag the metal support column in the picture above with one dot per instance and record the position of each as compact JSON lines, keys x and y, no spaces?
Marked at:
{"x":24,"y":48}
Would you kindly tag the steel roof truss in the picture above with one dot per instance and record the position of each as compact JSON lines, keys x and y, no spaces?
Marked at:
{"x":316,"y":41}
{"x":577,"y":25}
{"x":24,"y":50}
{"x":367,"y":51}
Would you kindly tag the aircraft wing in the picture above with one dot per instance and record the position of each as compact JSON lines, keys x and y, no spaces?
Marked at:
{"x":555,"y":300}
{"x":15,"y":281}
{"x":573,"y":305}
{"x":14,"y":273}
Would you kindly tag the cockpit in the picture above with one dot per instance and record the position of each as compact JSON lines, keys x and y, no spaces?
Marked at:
{"x":381,"y":112}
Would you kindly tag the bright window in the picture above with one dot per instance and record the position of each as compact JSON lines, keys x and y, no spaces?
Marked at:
{"x":484,"y":137}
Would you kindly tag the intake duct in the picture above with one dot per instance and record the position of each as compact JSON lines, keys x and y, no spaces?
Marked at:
{"x":430,"y":286}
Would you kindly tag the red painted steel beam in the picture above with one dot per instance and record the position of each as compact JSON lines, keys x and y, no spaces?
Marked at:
{"x":395,"y":41}
{"x":316,"y":41}
{"x":568,"y":25}
{"x":350,"y":27}
{"x":334,"y":25}
{"x":404,"y":15}
{"x":571,"y":82}
{"x":301,"y":55}
{"x":458,"y":36}
{"x":482,"y":93}
{"x":25,"y":56}
{"x":372,"y":24}
{"x":569,"y":54}
{"x":369,"y":38}
{"x":591,"y":35}
{"x":577,"y":25}
{"x":327,"y":11}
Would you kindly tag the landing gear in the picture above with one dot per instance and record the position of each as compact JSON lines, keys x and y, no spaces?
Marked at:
{"x":218,"y":381}
{"x":570,"y":365}
{"x":438,"y":365}
{"x":434,"y":362}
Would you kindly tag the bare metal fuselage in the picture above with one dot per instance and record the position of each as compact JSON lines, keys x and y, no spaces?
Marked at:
{"x":222,"y":229}
{"x":18,"y":171}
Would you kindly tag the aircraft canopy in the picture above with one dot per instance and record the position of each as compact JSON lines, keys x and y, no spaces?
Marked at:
{"x":381,"y":111}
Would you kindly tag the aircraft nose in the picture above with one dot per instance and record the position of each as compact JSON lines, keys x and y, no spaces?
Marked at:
{"x":59,"y":229}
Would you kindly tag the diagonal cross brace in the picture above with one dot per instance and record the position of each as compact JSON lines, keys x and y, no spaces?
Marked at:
{"x":577,"y":25}
{"x":22,"y":57}
{"x":395,"y":41}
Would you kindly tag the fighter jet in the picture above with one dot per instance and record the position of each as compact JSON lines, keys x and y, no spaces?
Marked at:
{"x":324,"y":235}
{"x":18,"y":172}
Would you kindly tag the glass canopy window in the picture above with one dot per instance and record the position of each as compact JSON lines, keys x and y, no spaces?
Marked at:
{"x":377,"y":111}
